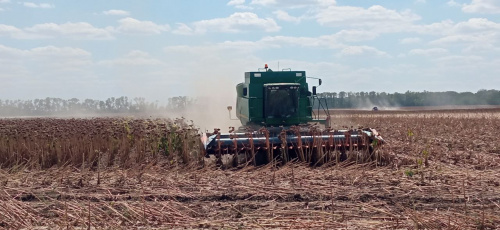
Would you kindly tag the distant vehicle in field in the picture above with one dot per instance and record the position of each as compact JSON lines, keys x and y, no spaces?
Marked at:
{"x":375,"y":108}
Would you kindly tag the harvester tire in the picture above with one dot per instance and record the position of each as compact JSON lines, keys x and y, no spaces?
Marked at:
{"x":234,"y":160}
{"x":261,"y":158}
{"x":343,"y":156}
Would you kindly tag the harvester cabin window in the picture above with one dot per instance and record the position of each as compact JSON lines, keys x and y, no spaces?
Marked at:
{"x":245,"y":91}
{"x":281,"y":101}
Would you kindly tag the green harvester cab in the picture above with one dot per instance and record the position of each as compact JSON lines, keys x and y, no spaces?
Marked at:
{"x":274,"y":98}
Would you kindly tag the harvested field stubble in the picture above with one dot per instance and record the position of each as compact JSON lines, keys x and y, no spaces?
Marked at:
{"x":445,"y":175}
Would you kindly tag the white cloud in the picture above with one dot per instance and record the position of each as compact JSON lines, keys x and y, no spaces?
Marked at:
{"x":269,"y":42}
{"x":481,"y":48}
{"x":243,"y":7}
{"x":247,"y":46}
{"x":282,"y":41}
{"x":134,"y":26}
{"x":10,"y":31}
{"x":239,"y":4}
{"x":362,"y":51}
{"x":235,"y":2}
{"x":437,"y":28}
{"x":475,"y":30}
{"x":356,"y":35}
{"x":334,"y":41}
{"x":460,"y":61}
{"x":447,"y":40}
{"x":236,"y":23}
{"x":133,"y":58}
{"x":264,"y":2}
{"x":116,"y":12}
{"x":45,"y":5}
{"x":477,"y":25}
{"x":79,"y":30}
{"x":63,"y":52}
{"x":308,"y":8}
{"x":482,"y":6}
{"x":45,"y":60}
{"x":428,"y":52}
{"x":7,"y":53}
{"x":293,"y":3}
{"x":228,"y":49}
{"x":82,"y":30}
{"x":473,"y":35}
{"x":453,"y":3}
{"x":410,"y":40}
{"x":2,"y":2}
{"x":284,"y":16}
{"x":183,"y":29}
{"x":40,"y":5}
{"x":375,"y":17}
{"x":30,"y":4}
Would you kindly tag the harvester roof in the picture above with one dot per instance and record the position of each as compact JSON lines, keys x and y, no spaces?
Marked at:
{"x":264,"y":77}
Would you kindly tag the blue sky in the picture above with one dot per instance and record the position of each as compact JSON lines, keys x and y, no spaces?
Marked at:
{"x":160,"y":49}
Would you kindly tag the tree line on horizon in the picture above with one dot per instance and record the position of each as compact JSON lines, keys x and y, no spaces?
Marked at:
{"x":407,"y":99}
{"x":120,"y":105}
{"x":124,"y":105}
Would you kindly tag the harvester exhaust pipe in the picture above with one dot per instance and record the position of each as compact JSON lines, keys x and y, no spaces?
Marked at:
{"x":229,"y":108}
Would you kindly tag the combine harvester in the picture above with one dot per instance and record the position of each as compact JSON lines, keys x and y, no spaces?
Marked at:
{"x":276,"y":111}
